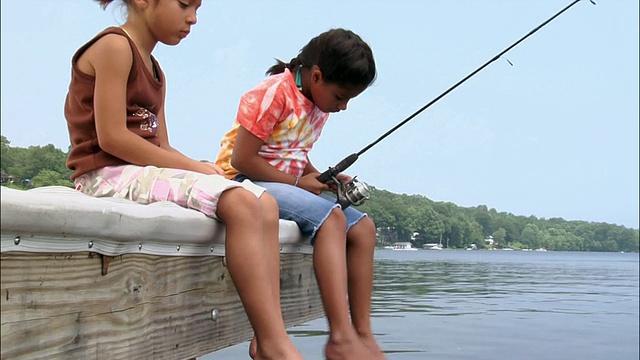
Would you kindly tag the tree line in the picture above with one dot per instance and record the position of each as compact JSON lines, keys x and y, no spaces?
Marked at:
{"x":420,"y":220}
{"x":399,"y":217}
{"x":34,"y":166}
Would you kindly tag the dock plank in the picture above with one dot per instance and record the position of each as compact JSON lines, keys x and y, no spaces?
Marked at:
{"x":145,"y":307}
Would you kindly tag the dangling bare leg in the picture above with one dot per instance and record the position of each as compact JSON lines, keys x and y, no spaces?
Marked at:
{"x":361,"y":241}
{"x":330,"y":265}
{"x":272,"y":253}
{"x":242,"y":214}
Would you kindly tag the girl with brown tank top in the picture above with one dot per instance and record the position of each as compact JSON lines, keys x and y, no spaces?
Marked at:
{"x":120,"y":148}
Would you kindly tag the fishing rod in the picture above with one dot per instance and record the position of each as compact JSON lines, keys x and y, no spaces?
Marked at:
{"x":355,"y":192}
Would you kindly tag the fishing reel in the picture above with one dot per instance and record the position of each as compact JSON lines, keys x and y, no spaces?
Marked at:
{"x":349,"y":193}
{"x":353,"y":192}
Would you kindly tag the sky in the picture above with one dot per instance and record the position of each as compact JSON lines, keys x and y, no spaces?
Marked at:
{"x":549,"y":130}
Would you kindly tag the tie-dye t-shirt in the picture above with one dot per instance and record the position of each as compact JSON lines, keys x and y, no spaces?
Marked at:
{"x":279,"y":114}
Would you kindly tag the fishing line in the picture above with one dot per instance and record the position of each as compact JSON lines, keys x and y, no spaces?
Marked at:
{"x":332,"y":172}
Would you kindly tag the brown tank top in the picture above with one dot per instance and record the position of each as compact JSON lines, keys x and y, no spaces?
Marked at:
{"x":144,"y":98}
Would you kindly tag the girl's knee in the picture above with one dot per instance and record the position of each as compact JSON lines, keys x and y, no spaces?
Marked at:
{"x":367,"y":225}
{"x":334,"y":226}
{"x":363,"y":233}
{"x":336,"y":218}
{"x":238,"y":201}
{"x":269,"y":206}
{"x":241,"y":195}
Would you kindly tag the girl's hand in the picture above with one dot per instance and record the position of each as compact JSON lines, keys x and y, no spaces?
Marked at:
{"x":344,"y":178}
{"x":310,"y":183}
{"x":209,"y":168}
{"x":216,"y":168}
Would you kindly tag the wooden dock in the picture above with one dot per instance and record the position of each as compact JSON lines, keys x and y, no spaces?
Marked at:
{"x":96,"y":304}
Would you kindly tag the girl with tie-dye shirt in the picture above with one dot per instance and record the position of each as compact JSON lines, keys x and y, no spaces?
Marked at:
{"x":277,"y":124}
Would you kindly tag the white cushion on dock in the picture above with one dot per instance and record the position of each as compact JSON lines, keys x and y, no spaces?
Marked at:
{"x":61,"y":219}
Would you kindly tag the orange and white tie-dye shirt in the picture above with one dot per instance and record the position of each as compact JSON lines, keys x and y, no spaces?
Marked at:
{"x":279,"y":114}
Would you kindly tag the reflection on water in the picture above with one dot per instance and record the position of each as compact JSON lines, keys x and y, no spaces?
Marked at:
{"x":487,"y":305}
{"x":452,"y":285}
{"x":507,"y":305}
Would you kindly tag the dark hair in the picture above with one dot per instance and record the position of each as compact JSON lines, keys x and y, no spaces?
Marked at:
{"x":342,"y":56}
{"x":105,"y":3}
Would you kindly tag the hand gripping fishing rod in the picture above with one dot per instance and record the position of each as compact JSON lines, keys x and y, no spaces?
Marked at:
{"x":356,"y":193}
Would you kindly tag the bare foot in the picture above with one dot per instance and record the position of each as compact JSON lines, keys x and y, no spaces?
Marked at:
{"x":289,"y":354}
{"x":281,"y":356}
{"x":282,"y":351}
{"x":370,"y":342}
{"x":253,"y":347}
{"x":348,"y":349}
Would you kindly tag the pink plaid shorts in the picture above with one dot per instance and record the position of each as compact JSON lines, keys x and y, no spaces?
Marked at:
{"x":150,"y":184}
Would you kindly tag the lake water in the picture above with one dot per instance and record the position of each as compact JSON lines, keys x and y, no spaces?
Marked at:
{"x":488,"y":305}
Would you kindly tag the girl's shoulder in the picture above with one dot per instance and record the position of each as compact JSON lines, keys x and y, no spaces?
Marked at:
{"x":112,"y":40}
{"x":280,"y":85}
{"x":281,"y":80}
{"x":113,"y":44}
{"x":114,"y":34}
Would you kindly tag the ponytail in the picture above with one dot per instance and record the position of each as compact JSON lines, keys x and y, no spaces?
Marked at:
{"x":104,"y":3}
{"x":280,"y":66}
{"x":342,"y":56}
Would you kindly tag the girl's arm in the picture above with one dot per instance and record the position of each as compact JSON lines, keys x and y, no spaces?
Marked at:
{"x":310,"y":169}
{"x":246,"y":159}
{"x":110,"y":59}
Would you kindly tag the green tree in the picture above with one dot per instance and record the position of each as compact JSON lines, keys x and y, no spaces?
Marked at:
{"x":531,"y":236}
{"x":27,"y":163}
{"x":499,"y":236}
{"x":50,"y":178}
{"x":5,"y":157}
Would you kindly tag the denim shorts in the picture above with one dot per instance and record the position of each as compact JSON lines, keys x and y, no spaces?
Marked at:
{"x":307,"y":209}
